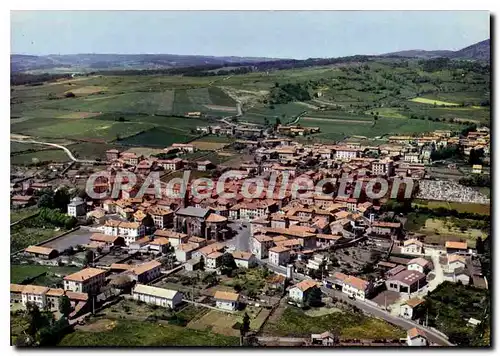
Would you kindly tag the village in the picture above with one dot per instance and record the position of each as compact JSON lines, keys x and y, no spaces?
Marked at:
{"x":240,"y":257}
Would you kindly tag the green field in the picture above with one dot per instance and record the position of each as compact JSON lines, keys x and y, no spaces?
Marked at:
{"x":135,"y":334}
{"x":18,"y":214}
{"x":460,"y":207}
{"x":18,"y":273}
{"x":348,"y":325}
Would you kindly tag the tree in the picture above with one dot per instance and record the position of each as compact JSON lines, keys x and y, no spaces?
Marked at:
{"x":70,"y":94}
{"x":65,"y":306}
{"x":227,"y":261}
{"x":46,"y":201}
{"x":35,"y":318}
{"x":89,"y":257}
{"x":313,"y":298}
{"x":479,"y":245}
{"x":61,"y":199}
{"x":245,"y":326}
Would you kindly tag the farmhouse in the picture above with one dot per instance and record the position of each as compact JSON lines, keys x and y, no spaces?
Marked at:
{"x":226,"y":300}
{"x":410,"y":308}
{"x":419,"y":264}
{"x":416,"y":337}
{"x":244,"y":259}
{"x":299,"y":292}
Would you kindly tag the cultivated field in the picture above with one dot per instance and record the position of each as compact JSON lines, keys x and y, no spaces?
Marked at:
{"x":366,"y":99}
{"x":432,"y":102}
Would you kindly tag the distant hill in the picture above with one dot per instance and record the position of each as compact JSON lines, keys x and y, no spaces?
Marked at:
{"x":95,"y":62}
{"x":478,"y":51}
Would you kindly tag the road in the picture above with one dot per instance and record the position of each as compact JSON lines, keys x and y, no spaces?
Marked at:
{"x":68,"y":152}
{"x":438,"y":270}
{"x":241,"y":241}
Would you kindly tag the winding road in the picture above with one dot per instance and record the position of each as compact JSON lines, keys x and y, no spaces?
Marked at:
{"x":65,"y":149}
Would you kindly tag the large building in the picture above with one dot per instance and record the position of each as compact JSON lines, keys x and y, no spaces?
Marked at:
{"x":88,"y":280}
{"x":406,"y":281}
{"x":157,"y":296}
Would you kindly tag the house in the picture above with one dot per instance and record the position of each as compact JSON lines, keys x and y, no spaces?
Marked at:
{"x":383,"y":167}
{"x":160,"y":244}
{"x":406,"y":281}
{"x":226,"y":300}
{"x":459,"y":274}
{"x":112,"y":154}
{"x":412,"y":247}
{"x":184,"y":147}
{"x":316,"y":262}
{"x":197,"y":241}
{"x":456,"y":247}
{"x":170,"y":164}
{"x":213,"y":260}
{"x":107,"y":240}
{"x":279,"y":255}
{"x":41,"y":252}
{"x":175,"y":238}
{"x":477,"y":169}
{"x":88,"y":280}
{"x":34,"y":294}
{"x":410,"y":309}
{"x":385,"y":228}
{"x":203,"y":165}
{"x":244,"y":259}
{"x":146,"y":272}
{"x":162,"y":218}
{"x":22,"y":200}
{"x":419,"y":264}
{"x":357,"y":287}
{"x":299,"y":292}
{"x":184,"y":252}
{"x":157,"y":296}
{"x":416,"y":337}
{"x":131,"y":231}
{"x":260,"y":246}
{"x":324,"y":339}
{"x":53,"y":296}
{"x":76,"y":207}
{"x":346,"y":154}
{"x":455,"y":262}
{"x":16,"y":293}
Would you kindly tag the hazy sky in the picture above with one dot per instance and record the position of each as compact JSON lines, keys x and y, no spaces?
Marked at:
{"x":284,"y":34}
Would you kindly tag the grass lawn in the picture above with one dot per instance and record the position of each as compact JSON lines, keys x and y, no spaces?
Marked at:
{"x":133,"y":334}
{"x":349,"y":325}
{"x":20,"y":272}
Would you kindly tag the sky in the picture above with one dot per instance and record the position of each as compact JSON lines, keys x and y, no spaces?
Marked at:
{"x":277,"y":34}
